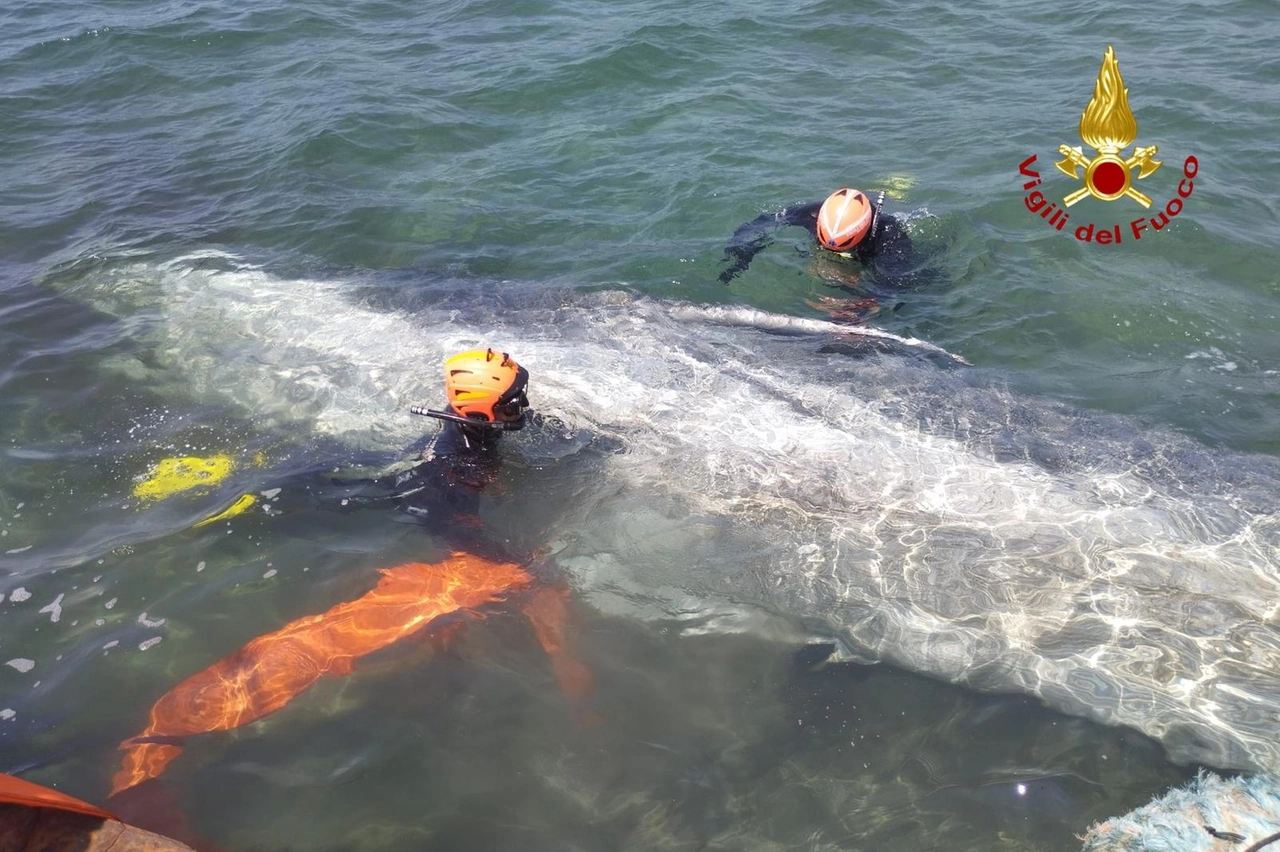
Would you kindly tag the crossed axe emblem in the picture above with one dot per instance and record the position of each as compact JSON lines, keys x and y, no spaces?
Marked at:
{"x":1109,"y":162}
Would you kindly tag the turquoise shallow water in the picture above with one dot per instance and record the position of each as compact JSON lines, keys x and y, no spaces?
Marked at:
{"x":230,"y":227}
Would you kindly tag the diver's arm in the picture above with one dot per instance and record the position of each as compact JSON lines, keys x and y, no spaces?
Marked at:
{"x":752,"y":237}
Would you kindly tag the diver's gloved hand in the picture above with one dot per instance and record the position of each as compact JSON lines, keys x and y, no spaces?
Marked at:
{"x":734,"y":269}
{"x":850,"y":311}
{"x":738,"y":256}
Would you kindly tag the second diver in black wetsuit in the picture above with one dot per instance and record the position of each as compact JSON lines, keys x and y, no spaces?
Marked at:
{"x":848,"y":224}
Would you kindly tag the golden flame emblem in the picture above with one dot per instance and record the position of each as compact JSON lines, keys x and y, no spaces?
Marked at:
{"x":1108,"y":125}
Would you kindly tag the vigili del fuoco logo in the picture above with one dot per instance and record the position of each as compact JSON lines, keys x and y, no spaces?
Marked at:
{"x":1107,"y":126}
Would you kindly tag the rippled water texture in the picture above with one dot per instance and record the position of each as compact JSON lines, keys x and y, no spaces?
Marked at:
{"x":1046,"y":567}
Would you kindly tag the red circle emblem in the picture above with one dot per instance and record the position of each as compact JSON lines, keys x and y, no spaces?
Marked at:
{"x":1108,"y":178}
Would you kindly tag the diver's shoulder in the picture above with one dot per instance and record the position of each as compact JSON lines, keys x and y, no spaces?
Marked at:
{"x":891,"y":229}
{"x":802,"y":212}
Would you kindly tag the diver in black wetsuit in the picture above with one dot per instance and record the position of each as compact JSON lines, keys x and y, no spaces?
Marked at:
{"x":847,"y":224}
{"x":487,"y":396}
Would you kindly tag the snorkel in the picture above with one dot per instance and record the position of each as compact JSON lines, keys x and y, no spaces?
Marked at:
{"x":875,"y":216}
{"x":496,"y":425}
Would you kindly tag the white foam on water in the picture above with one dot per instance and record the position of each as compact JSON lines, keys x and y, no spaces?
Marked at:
{"x":54,"y":609}
{"x":149,"y":622}
{"x":951,"y":529}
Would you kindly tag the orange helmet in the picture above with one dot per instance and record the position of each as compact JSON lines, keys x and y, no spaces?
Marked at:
{"x":844,"y":219}
{"x":484,"y":385}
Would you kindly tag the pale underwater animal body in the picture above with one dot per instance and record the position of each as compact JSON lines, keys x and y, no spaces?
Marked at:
{"x":910,"y":509}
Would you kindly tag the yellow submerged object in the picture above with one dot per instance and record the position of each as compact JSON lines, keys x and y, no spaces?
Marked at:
{"x":242,"y":503}
{"x":175,"y":475}
{"x":897,"y":186}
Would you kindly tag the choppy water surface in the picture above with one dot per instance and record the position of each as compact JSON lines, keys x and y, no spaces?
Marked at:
{"x":1047,"y":568}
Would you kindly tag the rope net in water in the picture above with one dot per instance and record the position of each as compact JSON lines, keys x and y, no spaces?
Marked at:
{"x":1211,"y":814}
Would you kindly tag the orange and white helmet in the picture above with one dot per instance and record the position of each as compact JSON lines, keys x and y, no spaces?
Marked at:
{"x":844,"y":219}
{"x":483,"y":385}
